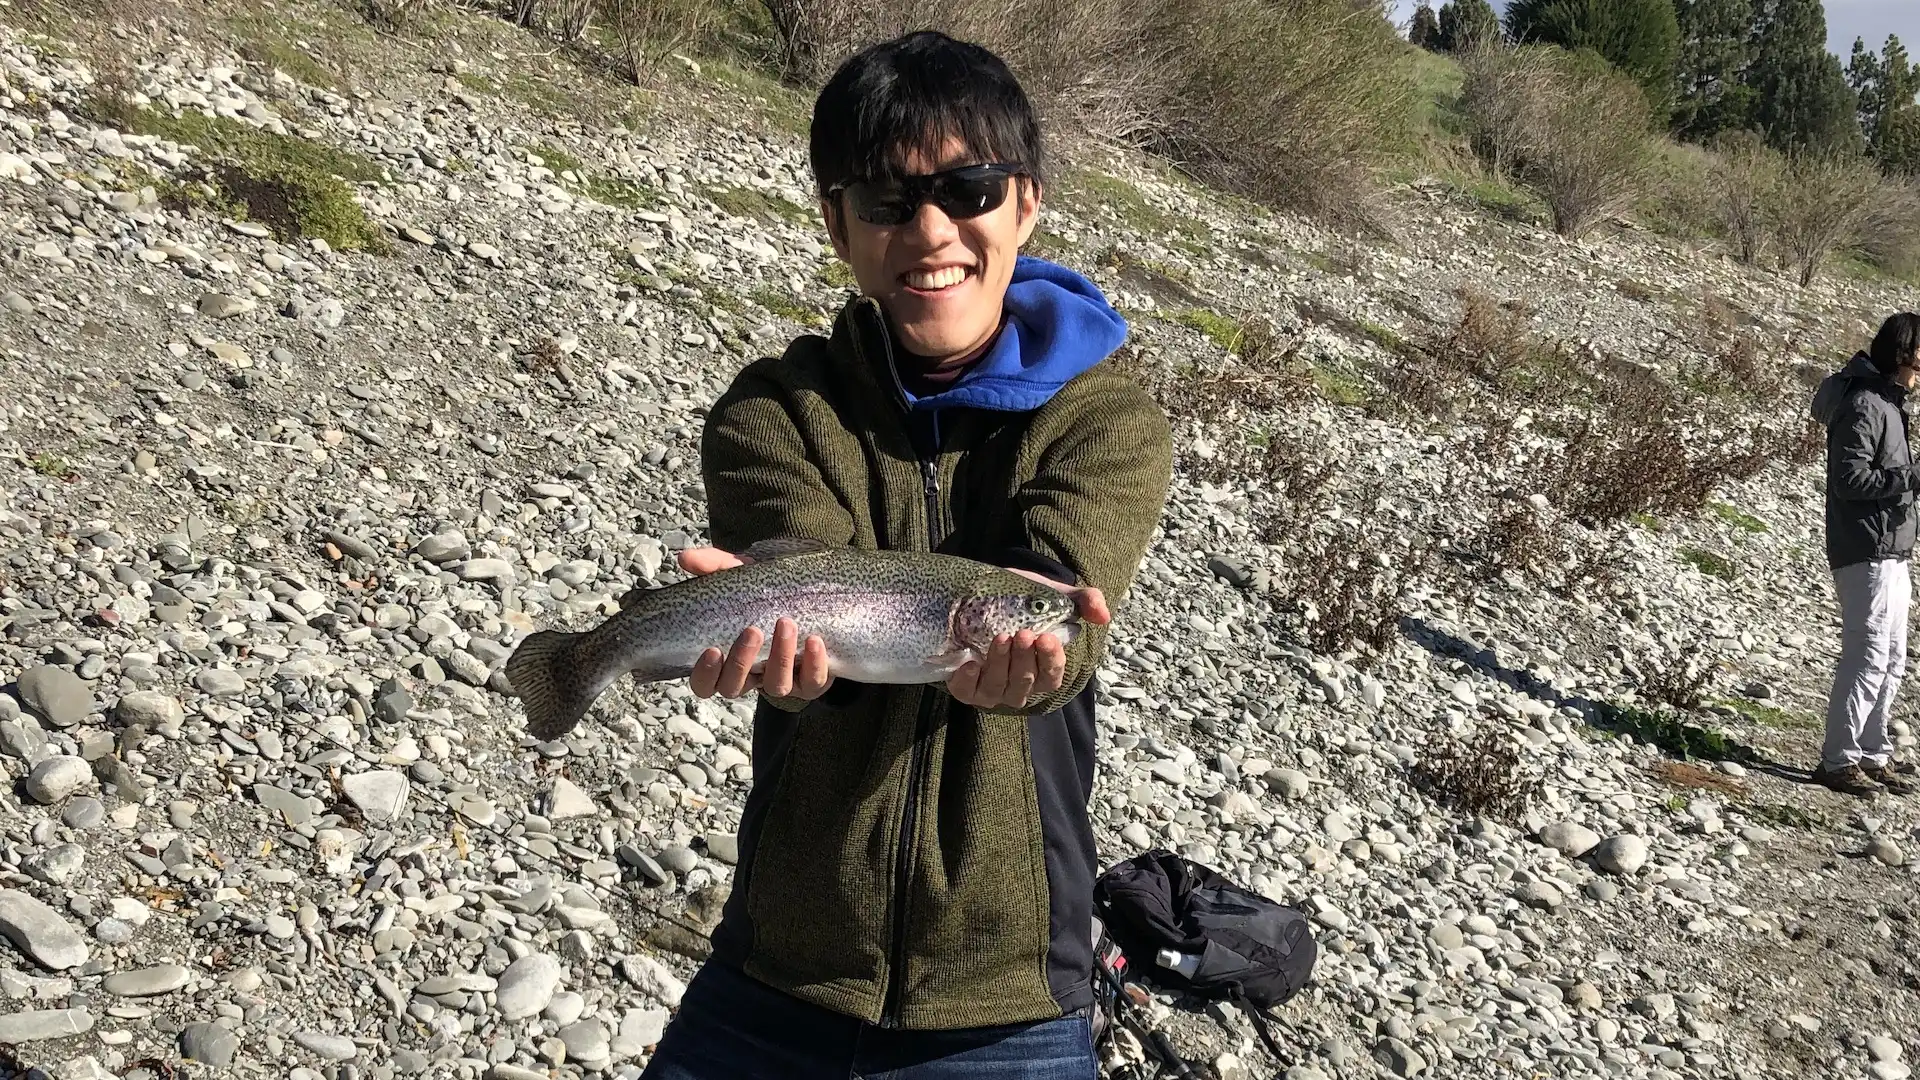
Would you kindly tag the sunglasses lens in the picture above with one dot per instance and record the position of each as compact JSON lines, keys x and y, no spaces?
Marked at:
{"x":968,"y":194}
{"x":878,"y":204}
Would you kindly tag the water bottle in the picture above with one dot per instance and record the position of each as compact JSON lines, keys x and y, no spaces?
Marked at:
{"x":1185,"y":964}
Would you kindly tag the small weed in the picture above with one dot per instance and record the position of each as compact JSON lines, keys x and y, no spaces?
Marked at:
{"x":1676,"y":803}
{"x":1678,"y":679}
{"x":1709,"y":563}
{"x":283,"y":56}
{"x":787,"y":307}
{"x":750,"y":203}
{"x":1340,"y":387}
{"x":1787,"y":817}
{"x":1480,"y":777}
{"x":1737,"y":518}
{"x":618,"y":191}
{"x":1218,"y":328}
{"x":543,"y":359}
{"x":1384,"y":336}
{"x":1665,"y":729}
{"x":836,"y":274}
{"x":1634,"y":290}
{"x":47,"y":464}
{"x":478,"y":83}
{"x":1644,"y":520}
{"x":1048,"y":245}
{"x":1773,"y":716}
{"x":555,"y":158}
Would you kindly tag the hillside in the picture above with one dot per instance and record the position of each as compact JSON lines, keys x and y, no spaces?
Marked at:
{"x":274,"y":509}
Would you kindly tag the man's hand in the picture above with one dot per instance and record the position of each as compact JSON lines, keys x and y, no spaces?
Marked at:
{"x":1022,"y":666}
{"x":791,"y":669}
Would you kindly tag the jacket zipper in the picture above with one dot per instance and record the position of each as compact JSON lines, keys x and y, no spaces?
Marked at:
{"x":893,"y":1003}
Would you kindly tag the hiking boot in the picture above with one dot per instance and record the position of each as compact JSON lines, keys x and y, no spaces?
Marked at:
{"x":1889,"y":776}
{"x":1851,"y":780}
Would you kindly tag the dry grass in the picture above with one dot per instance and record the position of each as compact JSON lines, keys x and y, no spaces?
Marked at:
{"x":1819,"y":208}
{"x":1685,"y":774}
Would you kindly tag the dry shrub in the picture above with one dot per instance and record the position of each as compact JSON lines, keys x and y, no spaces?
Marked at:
{"x":1890,"y":233}
{"x":1819,"y":208}
{"x":1747,"y":174}
{"x":1284,"y":101}
{"x":1347,"y":598}
{"x":1483,"y":777}
{"x":649,"y":30}
{"x":1679,"y":678}
{"x":1266,"y":378}
{"x":1572,"y":130}
{"x":1519,"y":539}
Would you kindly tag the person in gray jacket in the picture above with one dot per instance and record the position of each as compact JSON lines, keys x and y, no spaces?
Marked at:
{"x":1871,"y":482}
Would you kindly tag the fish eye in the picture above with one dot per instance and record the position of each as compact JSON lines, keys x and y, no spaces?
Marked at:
{"x":1036,"y":605}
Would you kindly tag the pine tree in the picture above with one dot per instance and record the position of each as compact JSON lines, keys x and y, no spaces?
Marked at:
{"x":1425,"y":31}
{"x":1716,"y":45}
{"x":1465,"y":24}
{"x":1640,"y":37}
{"x":1886,"y":85}
{"x":1801,"y":97}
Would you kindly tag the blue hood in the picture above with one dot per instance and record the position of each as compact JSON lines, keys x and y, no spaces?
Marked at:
{"x":1057,"y":325}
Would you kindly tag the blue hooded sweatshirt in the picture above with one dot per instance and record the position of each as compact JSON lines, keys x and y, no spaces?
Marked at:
{"x":1056,"y":325}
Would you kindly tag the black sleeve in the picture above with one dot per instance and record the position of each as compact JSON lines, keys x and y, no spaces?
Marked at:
{"x":1851,"y":472}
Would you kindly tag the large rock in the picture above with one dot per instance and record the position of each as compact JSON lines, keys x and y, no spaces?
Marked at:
{"x":209,"y":1044}
{"x":56,"y":695}
{"x":1569,"y":838}
{"x":151,"y":710}
{"x":32,"y":1025}
{"x":639,"y":1029}
{"x":1623,"y":854}
{"x":164,"y":979}
{"x":57,"y":778}
{"x":381,"y":795}
{"x":38,"y":931}
{"x":568,"y":801}
{"x":527,"y":986}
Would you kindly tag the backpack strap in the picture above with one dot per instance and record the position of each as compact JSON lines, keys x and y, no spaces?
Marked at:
{"x":1261,"y":1028}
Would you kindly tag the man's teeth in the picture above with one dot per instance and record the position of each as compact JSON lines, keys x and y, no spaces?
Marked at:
{"x":937,"y":279}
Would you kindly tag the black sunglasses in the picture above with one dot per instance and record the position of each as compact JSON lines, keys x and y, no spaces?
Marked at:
{"x":966,"y":192}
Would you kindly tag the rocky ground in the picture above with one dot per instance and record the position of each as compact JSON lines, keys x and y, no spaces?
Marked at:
{"x":272,"y":516}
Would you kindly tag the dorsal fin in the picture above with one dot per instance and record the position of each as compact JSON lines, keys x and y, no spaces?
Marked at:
{"x":784,"y":547}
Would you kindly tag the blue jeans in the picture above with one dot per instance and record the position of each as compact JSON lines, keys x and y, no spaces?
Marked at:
{"x":731,"y":1027}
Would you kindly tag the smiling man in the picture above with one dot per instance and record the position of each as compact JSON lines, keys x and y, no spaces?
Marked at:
{"x":914,"y":891}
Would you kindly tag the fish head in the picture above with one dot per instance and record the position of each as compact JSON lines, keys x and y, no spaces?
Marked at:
{"x":977,"y":620}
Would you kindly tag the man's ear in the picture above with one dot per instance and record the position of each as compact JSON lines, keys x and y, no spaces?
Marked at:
{"x":1029,"y":206}
{"x":836,"y":226}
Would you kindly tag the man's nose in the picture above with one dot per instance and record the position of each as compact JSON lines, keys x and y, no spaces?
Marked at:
{"x":931,"y":226}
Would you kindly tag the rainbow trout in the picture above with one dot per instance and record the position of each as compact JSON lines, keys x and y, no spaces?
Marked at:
{"x":884,"y":616}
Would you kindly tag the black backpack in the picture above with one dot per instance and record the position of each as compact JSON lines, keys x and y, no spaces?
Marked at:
{"x":1250,"y":950}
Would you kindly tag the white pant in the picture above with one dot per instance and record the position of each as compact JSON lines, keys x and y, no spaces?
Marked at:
{"x":1873,"y":658}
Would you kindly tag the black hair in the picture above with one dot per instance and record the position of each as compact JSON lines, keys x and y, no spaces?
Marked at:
{"x":913,"y":94}
{"x":1894,"y":345}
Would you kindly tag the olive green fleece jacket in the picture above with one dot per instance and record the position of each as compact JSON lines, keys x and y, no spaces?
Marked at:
{"x":897,"y":847}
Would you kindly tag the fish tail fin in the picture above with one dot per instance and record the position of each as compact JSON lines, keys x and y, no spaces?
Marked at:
{"x":555,"y":693}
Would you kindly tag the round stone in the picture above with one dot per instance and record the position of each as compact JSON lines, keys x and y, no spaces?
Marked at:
{"x":56,"y":778}
{"x":1623,"y":854}
{"x":56,"y":695}
{"x":527,"y":986}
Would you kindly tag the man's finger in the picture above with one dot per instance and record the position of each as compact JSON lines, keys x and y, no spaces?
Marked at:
{"x":739,"y":665}
{"x":993,"y":671}
{"x":964,"y":683}
{"x":1020,"y":670}
{"x":706,"y":673}
{"x":776,"y":678}
{"x":813,"y":675}
{"x":1050,"y":664}
{"x":1092,"y":605}
{"x":706,"y":560}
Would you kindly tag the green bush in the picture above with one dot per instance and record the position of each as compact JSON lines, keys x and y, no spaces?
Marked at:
{"x":1564,"y":125}
{"x":1640,"y":37}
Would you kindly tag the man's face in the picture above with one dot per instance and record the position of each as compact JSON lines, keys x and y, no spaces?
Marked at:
{"x":941,"y":281}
